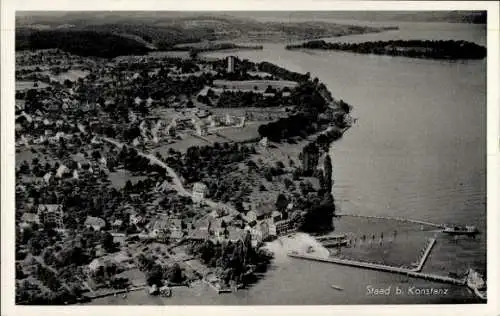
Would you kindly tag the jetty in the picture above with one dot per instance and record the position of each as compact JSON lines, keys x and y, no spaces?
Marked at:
{"x":400,"y":219}
{"x":380,"y":267}
{"x":425,"y":255}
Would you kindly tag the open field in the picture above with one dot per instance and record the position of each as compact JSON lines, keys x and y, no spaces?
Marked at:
{"x":238,"y":134}
{"x":28,"y":155}
{"x":120,"y":177}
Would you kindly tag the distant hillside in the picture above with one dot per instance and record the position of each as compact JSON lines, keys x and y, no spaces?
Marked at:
{"x":84,"y":43}
{"x":477,"y":17}
{"x":166,"y":29}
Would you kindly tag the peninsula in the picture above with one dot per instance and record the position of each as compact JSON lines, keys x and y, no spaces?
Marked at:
{"x":150,"y":172}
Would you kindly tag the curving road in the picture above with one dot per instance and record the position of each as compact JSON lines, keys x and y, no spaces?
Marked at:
{"x":176,"y":179}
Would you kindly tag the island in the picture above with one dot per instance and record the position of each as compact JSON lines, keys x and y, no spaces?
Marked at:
{"x":440,"y":49}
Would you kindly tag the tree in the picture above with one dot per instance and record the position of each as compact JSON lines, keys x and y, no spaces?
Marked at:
{"x":174,"y":273}
{"x":268,"y":175}
{"x":238,"y":205}
{"x":128,"y":187}
{"x":281,"y":202}
{"x":25,"y":168}
{"x":288,"y":183}
{"x":155,"y":275}
{"x":107,"y":242}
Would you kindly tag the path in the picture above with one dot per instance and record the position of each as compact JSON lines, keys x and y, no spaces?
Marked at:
{"x":400,"y":219}
{"x":380,"y":267}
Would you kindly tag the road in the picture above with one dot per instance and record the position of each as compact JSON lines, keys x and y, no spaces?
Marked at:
{"x":178,"y":186}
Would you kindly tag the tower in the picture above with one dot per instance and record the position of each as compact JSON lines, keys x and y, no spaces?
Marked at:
{"x":230,"y":63}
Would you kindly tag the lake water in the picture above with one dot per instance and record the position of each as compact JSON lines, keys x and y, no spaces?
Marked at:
{"x":418,"y":150}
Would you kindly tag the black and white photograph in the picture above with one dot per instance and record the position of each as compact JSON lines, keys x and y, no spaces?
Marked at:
{"x":249,"y":157}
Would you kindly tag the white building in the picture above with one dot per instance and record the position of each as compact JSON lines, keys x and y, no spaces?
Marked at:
{"x":51,"y":214}
{"x":264,"y":142}
{"x":61,"y":171}
{"x":230,"y":63}
{"x":199,"y":191}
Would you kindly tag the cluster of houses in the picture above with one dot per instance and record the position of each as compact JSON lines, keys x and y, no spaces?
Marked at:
{"x":263,"y":223}
{"x":45,"y":215}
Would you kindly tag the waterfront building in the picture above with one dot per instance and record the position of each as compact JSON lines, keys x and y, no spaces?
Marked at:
{"x":272,"y":230}
{"x":264,"y":230}
{"x":255,"y":234}
{"x":51,"y":214}
{"x":284,"y":227}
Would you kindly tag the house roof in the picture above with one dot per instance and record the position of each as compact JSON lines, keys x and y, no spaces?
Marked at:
{"x":94,"y":221}
{"x":199,"y":187}
{"x":49,"y":207}
{"x":95,"y":264}
{"x":265,"y":209}
{"x":236,"y":233}
{"x":29,"y":217}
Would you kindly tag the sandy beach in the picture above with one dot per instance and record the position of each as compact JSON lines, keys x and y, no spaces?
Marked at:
{"x":296,"y":242}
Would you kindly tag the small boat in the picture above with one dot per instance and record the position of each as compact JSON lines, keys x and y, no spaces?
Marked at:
{"x":336,"y":287}
{"x":458,"y":230}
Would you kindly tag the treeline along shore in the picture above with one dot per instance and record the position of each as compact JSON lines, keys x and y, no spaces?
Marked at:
{"x":448,"y":49}
{"x":320,"y":120}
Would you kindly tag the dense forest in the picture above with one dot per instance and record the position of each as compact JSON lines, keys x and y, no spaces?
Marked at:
{"x":83,"y":43}
{"x":413,"y":48}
